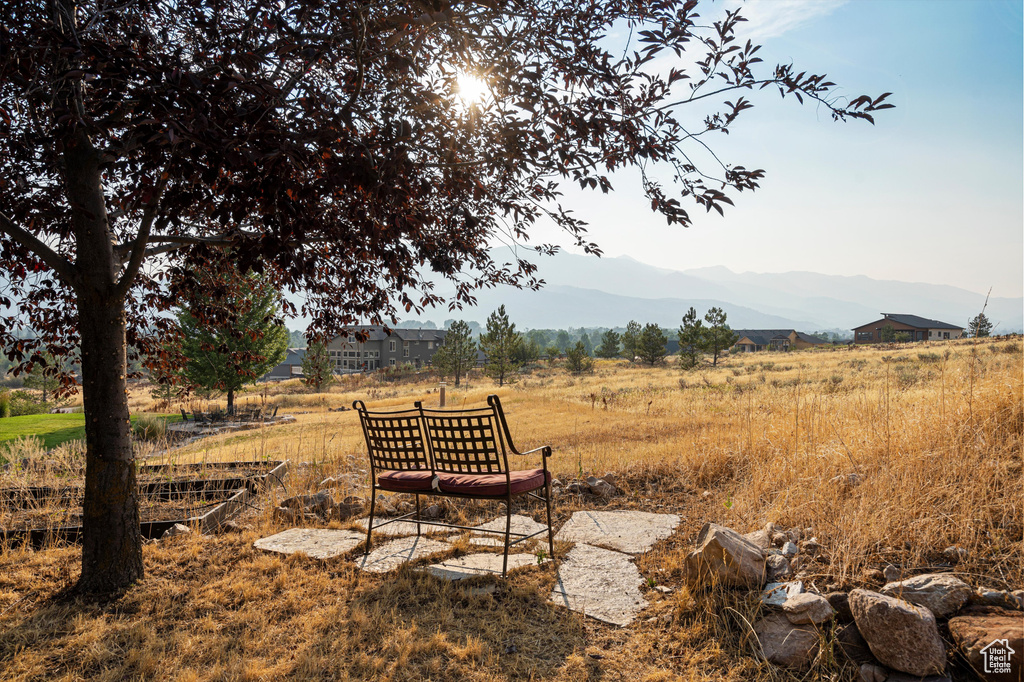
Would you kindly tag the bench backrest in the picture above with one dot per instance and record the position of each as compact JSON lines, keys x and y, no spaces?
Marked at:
{"x":466,"y":442}
{"x":394,"y":439}
{"x":471,"y":441}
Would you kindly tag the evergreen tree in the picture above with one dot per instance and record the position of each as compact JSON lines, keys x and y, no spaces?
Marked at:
{"x":609,"y":347}
{"x":980,"y":326}
{"x":233,"y":336}
{"x":691,"y":339}
{"x":577,"y":360}
{"x":588,"y":345}
{"x":500,"y":344}
{"x":562,"y":340}
{"x":317,"y":365}
{"x":650,"y":347}
{"x":631,"y":340}
{"x":457,"y":354}
{"x":44,"y":376}
{"x":718,"y":336}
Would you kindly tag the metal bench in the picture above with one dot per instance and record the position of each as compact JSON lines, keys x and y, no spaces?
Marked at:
{"x":451,"y":453}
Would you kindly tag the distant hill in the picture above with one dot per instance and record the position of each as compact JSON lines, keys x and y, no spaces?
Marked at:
{"x":589,"y":291}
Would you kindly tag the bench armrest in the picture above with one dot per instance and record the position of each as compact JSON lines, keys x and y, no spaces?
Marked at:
{"x":545,"y":448}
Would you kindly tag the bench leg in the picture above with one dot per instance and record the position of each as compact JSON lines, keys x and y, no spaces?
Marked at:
{"x":551,"y":533}
{"x":417,"y":514}
{"x":369,"y":524}
{"x":508,"y":531}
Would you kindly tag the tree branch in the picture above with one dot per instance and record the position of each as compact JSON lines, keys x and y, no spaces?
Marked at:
{"x":62,"y":266}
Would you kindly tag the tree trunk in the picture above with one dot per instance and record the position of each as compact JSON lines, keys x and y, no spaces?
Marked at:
{"x":231,"y":401}
{"x":111,"y":538}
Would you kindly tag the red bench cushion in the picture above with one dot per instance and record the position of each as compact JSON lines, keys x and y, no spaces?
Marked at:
{"x":408,"y":481}
{"x":492,"y":484}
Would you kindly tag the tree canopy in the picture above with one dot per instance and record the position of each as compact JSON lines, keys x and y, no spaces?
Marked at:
{"x":501,"y":345}
{"x":327,"y":143}
{"x":457,"y":355}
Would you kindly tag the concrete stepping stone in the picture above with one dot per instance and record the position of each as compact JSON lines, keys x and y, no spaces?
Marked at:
{"x":400,"y":528}
{"x":474,"y":565}
{"x":391,"y":555}
{"x":599,"y":583}
{"x":632,"y":532}
{"x":318,"y":543}
{"x":520,"y":524}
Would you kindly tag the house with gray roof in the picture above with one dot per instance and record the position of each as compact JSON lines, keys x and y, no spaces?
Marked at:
{"x":290,"y":367}
{"x":917,"y":328}
{"x":381,"y":348}
{"x":752,"y":340}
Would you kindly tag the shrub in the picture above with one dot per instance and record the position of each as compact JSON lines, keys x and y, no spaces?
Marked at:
{"x":5,"y":404}
{"x":929,"y":357}
{"x":23,"y":402}
{"x":149,"y":427}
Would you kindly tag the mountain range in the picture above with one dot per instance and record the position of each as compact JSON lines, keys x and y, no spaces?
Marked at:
{"x":586,"y":291}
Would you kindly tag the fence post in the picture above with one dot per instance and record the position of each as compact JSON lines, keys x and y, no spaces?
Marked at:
{"x":442,"y":394}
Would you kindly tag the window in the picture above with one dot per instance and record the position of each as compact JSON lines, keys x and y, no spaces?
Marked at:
{"x":865,"y":336}
{"x":430,"y":345}
{"x":405,"y":351}
{"x":391,"y":346}
{"x":945,"y":335}
{"x":392,"y":360}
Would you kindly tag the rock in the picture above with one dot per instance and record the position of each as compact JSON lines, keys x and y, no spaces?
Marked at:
{"x":891,"y":574}
{"x":979,"y":629}
{"x":176,"y":530}
{"x":794,"y":535}
{"x":1019,"y":596}
{"x":600,"y":488}
{"x":955,"y":554}
{"x":329,"y":482}
{"x":988,"y":596}
{"x":872,"y":575}
{"x":555,"y":483}
{"x":723,"y":555}
{"x":790,"y":550}
{"x":840,"y":602}
{"x":872,"y":672}
{"x":343,"y":512}
{"x":776,"y":594}
{"x":941,"y":593}
{"x":779,"y":539}
{"x":355,"y":500}
{"x":432,"y":512}
{"x":776,"y":567}
{"x":320,"y":503}
{"x":806,"y":608}
{"x":405,"y":507}
{"x":850,"y":645}
{"x":900,"y":635}
{"x":786,"y":644}
{"x":664,"y":589}
{"x":759,"y":538}
{"x":232,"y":527}
{"x":810,"y":547}
{"x":287,"y":514}
{"x":575,"y":488}
{"x":609,"y":478}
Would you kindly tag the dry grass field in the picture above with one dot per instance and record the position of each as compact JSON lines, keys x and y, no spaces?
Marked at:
{"x":934,"y":431}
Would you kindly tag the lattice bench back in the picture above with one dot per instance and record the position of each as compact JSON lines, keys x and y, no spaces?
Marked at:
{"x":466,"y":442}
{"x":394,"y":439}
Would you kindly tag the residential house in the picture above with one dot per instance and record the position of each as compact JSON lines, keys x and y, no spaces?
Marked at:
{"x":290,"y":368}
{"x":752,"y":340}
{"x":381,"y":349}
{"x":918,"y":329}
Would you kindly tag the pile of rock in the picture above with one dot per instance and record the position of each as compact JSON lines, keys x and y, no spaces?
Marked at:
{"x":890,"y":634}
{"x":318,"y":507}
{"x":603,"y":487}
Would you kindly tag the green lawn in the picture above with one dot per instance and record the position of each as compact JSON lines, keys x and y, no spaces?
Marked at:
{"x":53,"y":429}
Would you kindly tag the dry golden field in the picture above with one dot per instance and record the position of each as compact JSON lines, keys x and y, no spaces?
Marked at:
{"x":933,"y":430}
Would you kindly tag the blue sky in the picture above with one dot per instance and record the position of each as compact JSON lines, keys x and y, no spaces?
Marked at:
{"x":934,"y":192}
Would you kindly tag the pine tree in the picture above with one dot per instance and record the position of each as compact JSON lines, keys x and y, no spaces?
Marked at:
{"x":500,"y":345}
{"x":457,"y":354}
{"x":980,"y":326}
{"x":236,"y":338}
{"x":577,"y":360}
{"x":562,"y":340}
{"x":631,"y":340}
{"x":691,"y":339}
{"x":44,"y":376}
{"x":609,"y":347}
{"x":651,"y":344}
{"x":317,"y":365}
{"x":718,"y":336}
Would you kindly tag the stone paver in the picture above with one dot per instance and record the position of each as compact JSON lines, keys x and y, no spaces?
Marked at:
{"x":520,"y":524}
{"x":473,"y":565}
{"x":600,"y":583}
{"x":391,"y":555}
{"x":400,"y":528}
{"x":318,"y":543}
{"x":626,"y":531}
